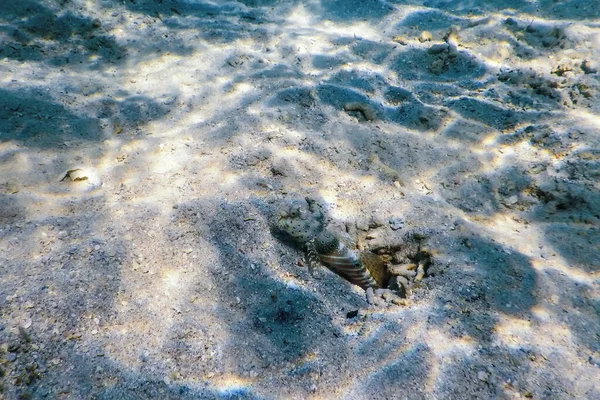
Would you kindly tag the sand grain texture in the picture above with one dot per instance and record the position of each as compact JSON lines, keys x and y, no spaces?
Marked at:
{"x":153,"y":272}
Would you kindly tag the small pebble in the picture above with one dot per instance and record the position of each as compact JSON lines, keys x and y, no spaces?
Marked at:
{"x":378,"y":302}
{"x":438,"y":48}
{"x":511,"y":200}
{"x":362,"y":224}
{"x":389,"y":296}
{"x":13,"y":347}
{"x":11,"y":357}
{"x":400,"y":39}
{"x":549,"y":41}
{"x":483,"y":376}
{"x":426,"y":36}
{"x":399,"y":301}
{"x":396,"y":223}
{"x":376,"y":221}
{"x":370,"y":296}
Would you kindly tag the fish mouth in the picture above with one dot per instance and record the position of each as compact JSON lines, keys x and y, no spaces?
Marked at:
{"x":281,"y":223}
{"x":281,"y":215}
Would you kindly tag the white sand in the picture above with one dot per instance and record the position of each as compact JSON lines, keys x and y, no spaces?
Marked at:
{"x":152,"y":271}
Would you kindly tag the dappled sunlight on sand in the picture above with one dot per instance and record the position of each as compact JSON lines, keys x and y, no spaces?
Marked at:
{"x":166,"y":267}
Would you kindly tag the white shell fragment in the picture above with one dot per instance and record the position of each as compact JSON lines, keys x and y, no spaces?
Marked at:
{"x":87,"y":177}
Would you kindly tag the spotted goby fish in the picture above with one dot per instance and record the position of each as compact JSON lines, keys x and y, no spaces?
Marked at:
{"x":304,"y":225}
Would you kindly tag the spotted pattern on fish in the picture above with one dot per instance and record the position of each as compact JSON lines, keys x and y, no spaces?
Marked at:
{"x":305,"y":227}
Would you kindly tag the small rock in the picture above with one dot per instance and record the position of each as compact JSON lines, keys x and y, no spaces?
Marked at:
{"x":13,"y":347}
{"x":372,"y":235}
{"x":376,"y":221}
{"x":426,"y":36}
{"x":483,"y":376}
{"x":396,"y":223}
{"x":370,"y":296}
{"x":379,"y":302}
{"x":438,"y":48}
{"x":510,"y":201}
{"x":549,"y":41}
{"x":406,"y":270}
{"x":280,"y":169}
{"x":399,"y":301}
{"x":362,"y":224}
{"x":400,"y":257}
{"x":400,"y":39}
{"x":530,"y":28}
{"x":403,"y":285}
{"x":237,"y":61}
{"x":452,"y":36}
{"x":388,"y":296}
{"x":587,"y":68}
{"x":10,"y":357}
{"x":89,"y":176}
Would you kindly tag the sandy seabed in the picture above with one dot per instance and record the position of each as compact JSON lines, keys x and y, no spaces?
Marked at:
{"x":145,"y":147}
